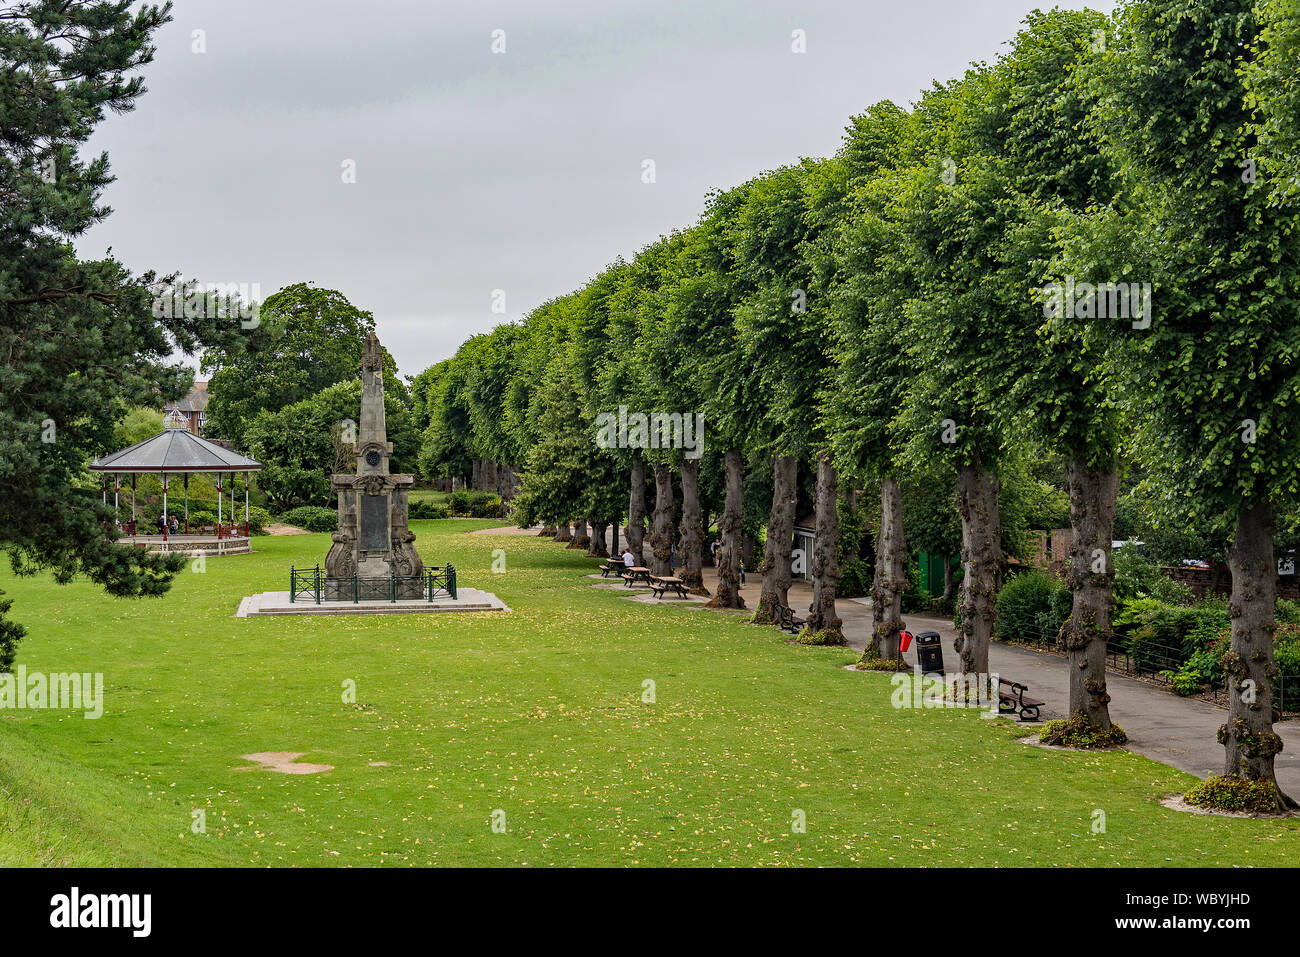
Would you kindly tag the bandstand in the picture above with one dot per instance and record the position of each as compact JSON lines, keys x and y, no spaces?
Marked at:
{"x":171,"y":454}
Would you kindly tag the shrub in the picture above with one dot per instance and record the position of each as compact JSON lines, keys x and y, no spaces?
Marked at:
{"x":475,"y":504}
{"x":1187,"y":680}
{"x":1157,"y":643}
{"x":1060,"y":605}
{"x":314,"y":518}
{"x":1287,"y":612}
{"x":258,"y":519}
{"x":1076,"y":732}
{"x":424,"y":509}
{"x":877,"y":663}
{"x":1231,"y":793}
{"x":1137,"y":577}
{"x":1020,"y":603}
{"x":488,"y":506}
{"x":204,"y":514}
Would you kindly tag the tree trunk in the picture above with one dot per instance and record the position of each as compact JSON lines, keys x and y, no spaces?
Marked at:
{"x":822,"y":620}
{"x":949,"y":582}
{"x":563,"y":534}
{"x":661,"y":540}
{"x":580,"y":537}
{"x":613,"y":536}
{"x":692,"y":533}
{"x":780,"y":537}
{"x":636,"y":511}
{"x":1248,"y":739}
{"x":890,"y":580}
{"x":728,"y":595}
{"x":597,"y":547}
{"x":981,"y":555}
{"x":1089,"y":575}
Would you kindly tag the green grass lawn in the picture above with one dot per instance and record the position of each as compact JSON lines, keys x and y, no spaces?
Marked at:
{"x":429,"y":495}
{"x":537,"y":713}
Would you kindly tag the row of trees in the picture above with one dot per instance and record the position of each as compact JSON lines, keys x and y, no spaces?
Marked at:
{"x":886,"y":318}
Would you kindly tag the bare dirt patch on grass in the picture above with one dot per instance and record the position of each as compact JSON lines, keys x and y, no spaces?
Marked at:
{"x":276,"y":529}
{"x":284,"y":762}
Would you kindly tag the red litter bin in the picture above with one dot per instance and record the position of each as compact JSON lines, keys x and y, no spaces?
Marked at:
{"x":904,"y":641}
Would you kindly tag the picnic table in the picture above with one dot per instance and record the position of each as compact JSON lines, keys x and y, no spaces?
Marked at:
{"x":637,"y":573}
{"x":665,"y":583}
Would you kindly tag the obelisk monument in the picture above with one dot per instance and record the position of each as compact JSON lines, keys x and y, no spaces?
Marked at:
{"x":373,"y":542}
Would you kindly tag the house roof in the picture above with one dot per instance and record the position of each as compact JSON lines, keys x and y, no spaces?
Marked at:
{"x":196,"y":400}
{"x":175,"y":450}
{"x":808,"y":522}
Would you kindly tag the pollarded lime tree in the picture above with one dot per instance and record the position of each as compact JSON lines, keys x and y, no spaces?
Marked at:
{"x":1216,"y":379}
{"x":701,"y":301}
{"x":869,"y":287}
{"x":638,"y":390}
{"x":553,"y":486}
{"x":594,"y":353}
{"x":1039,"y":167}
{"x":781,"y":323}
{"x":445,"y":439}
{"x":492,"y":364}
{"x":672,"y":353}
{"x":944,"y":208}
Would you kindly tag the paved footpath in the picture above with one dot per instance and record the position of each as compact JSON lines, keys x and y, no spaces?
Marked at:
{"x":1176,"y":731}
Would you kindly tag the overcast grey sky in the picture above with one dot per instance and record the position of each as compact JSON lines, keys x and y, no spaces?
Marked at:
{"x":475,"y":170}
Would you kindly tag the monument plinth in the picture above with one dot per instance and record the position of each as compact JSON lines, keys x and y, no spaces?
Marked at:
{"x":373,"y":540}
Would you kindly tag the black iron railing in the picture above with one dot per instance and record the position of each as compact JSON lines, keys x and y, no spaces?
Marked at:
{"x":311,"y":584}
{"x":304,"y":583}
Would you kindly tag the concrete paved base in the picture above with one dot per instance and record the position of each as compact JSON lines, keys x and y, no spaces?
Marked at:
{"x":277,"y":603}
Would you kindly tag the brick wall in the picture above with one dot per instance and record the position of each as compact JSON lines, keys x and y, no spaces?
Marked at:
{"x":1205,"y":581}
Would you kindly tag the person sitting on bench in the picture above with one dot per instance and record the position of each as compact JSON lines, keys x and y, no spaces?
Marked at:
{"x":629,"y":559}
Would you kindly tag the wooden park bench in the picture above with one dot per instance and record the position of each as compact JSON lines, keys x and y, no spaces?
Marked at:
{"x":1013,"y":698}
{"x":661,"y":585}
{"x":788,"y":620}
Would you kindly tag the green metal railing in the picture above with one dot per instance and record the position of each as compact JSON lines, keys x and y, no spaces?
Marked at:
{"x":313,"y":585}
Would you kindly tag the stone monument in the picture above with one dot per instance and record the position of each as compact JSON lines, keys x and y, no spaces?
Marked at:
{"x":373,"y":542}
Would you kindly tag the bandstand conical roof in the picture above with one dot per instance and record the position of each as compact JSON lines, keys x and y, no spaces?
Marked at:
{"x":175,"y":450}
